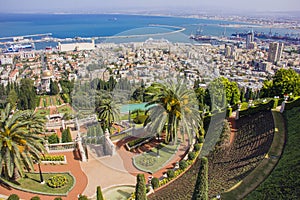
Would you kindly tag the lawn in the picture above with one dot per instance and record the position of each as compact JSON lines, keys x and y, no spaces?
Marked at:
{"x":150,"y":162}
{"x":43,"y":111}
{"x":65,"y":109}
{"x":32,"y":184}
{"x":284,"y":181}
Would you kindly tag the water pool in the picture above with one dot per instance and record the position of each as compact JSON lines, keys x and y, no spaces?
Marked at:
{"x":118,"y":192}
{"x":130,"y":107}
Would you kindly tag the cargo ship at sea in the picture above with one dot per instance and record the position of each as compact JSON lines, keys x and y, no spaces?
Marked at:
{"x":202,"y":38}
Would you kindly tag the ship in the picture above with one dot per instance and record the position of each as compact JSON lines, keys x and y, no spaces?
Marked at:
{"x":202,"y":38}
{"x":18,"y":47}
{"x":270,"y":36}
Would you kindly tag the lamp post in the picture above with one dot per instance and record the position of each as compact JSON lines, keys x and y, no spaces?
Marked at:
{"x":157,"y":155}
{"x":286,"y":96}
{"x":41,"y":175}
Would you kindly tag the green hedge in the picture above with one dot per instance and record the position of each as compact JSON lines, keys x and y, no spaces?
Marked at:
{"x":292,"y":104}
{"x":137,"y":141}
{"x":260,"y":107}
{"x":53,"y":158}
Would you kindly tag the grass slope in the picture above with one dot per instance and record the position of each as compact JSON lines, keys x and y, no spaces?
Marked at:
{"x":284,"y":181}
{"x":262,"y":171}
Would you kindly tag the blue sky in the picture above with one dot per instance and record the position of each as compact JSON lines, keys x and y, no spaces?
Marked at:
{"x":123,"y":5}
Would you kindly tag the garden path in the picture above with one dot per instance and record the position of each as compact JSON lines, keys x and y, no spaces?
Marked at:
{"x":73,"y":166}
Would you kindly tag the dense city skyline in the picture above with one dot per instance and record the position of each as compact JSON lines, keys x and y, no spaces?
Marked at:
{"x":94,"y":6}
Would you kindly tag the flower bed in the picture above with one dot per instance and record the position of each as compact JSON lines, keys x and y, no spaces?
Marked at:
{"x":57,"y":181}
{"x":54,"y":159}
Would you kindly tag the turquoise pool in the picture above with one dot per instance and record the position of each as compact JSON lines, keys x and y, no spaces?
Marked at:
{"x":130,"y":107}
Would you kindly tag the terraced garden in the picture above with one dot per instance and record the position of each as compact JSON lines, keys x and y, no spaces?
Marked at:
{"x":252,"y":141}
{"x":230,"y":165}
{"x":284,"y":181}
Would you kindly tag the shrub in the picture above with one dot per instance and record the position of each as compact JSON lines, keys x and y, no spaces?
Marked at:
{"x":53,"y":158}
{"x":53,"y":139}
{"x":99,"y":194}
{"x":155,"y":182}
{"x":82,"y":197}
{"x":170,"y":173}
{"x":58,"y":198}
{"x":140,"y":188}
{"x":183,"y":164}
{"x":197,"y":147}
{"x":191,"y":155}
{"x":140,"y":119}
{"x":35,"y":198}
{"x":201,"y":140}
{"x":66,"y":136}
{"x":13,"y":197}
{"x":57,"y":181}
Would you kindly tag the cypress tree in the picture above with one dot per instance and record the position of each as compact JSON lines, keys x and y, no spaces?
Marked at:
{"x":99,"y":193}
{"x":140,"y":188}
{"x":201,"y":189}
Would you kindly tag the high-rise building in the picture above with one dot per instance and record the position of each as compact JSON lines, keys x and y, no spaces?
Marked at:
{"x":249,"y":39}
{"x":230,"y":51}
{"x":275,"y":51}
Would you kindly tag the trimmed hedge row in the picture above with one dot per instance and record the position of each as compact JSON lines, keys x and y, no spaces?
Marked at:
{"x":137,"y":141}
{"x":261,"y":107}
{"x":53,"y":158}
{"x":292,"y":104}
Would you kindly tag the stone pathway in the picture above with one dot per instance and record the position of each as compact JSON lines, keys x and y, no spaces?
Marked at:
{"x":105,"y":172}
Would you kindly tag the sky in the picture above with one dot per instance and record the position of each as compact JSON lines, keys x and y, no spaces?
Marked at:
{"x":86,"y":6}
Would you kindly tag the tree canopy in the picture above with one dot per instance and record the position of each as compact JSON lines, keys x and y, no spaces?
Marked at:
{"x":285,"y":81}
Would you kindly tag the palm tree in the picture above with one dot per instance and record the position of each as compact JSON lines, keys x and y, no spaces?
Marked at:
{"x":174,"y":106}
{"x":20,"y":143}
{"x":108,"y":112}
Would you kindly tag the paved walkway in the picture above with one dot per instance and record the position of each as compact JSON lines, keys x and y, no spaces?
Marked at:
{"x":73,"y":166}
{"x":105,"y":172}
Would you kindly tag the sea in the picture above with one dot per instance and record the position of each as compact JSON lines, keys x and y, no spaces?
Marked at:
{"x":103,"y":25}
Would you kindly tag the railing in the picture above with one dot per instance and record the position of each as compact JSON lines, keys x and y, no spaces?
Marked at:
{"x":53,"y":124}
{"x":61,"y":147}
{"x":89,"y":119}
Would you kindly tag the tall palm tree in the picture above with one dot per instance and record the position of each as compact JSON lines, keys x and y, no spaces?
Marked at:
{"x":174,"y":106}
{"x":20,"y":143}
{"x":108,"y":112}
